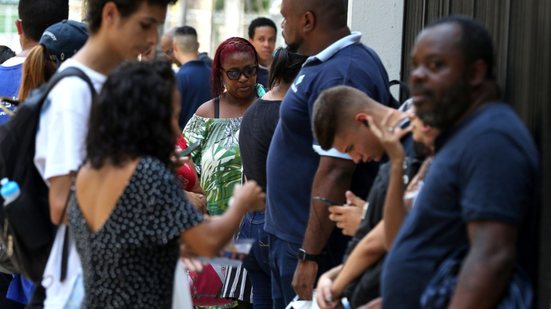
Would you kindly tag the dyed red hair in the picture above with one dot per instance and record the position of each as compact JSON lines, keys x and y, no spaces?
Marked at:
{"x":225,"y":49}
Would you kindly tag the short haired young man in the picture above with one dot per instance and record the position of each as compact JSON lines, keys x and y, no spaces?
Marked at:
{"x":262,"y":34}
{"x":34,"y":17}
{"x":480,"y":193}
{"x":119,"y":30}
{"x":345,"y":118}
{"x":193,"y":78}
{"x":303,"y":240}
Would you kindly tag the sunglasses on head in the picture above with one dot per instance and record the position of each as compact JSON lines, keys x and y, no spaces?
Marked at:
{"x":234,"y":74}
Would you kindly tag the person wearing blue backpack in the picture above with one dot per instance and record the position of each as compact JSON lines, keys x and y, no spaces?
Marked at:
{"x":119,"y":30}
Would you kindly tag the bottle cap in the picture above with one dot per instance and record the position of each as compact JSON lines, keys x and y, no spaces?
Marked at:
{"x":8,"y":187}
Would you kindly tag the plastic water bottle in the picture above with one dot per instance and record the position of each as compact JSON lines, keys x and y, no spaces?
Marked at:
{"x":10,"y":190}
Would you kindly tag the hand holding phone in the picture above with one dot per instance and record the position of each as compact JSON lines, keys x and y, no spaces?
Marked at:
{"x":190,"y":149}
{"x":326,"y":200}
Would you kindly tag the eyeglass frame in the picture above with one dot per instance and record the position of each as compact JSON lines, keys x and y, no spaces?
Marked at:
{"x":241,"y":72}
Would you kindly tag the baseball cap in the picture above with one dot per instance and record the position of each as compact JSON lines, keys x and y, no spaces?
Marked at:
{"x":64,"y":39}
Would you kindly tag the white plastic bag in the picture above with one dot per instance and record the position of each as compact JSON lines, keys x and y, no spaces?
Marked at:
{"x":297,"y":303}
{"x":70,"y":292}
{"x":181,"y":295}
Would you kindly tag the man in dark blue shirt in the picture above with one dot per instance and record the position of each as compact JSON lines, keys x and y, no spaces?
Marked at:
{"x":193,"y":78}
{"x":296,"y":170}
{"x":479,"y":195}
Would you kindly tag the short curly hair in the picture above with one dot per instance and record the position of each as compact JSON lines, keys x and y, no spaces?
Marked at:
{"x":260,"y":22}
{"x":132,"y":116}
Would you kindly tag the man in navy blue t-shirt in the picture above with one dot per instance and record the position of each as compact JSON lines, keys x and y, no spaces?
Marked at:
{"x":296,"y":170}
{"x":479,"y":194}
{"x":193,"y":78}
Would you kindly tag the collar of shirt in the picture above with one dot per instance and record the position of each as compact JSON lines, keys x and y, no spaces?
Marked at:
{"x":332,"y":49}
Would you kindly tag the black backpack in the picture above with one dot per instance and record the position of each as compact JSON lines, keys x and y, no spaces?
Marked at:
{"x":26,"y":228}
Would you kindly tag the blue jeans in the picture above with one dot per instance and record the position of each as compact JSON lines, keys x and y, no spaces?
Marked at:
{"x":283,"y":262}
{"x":257,"y":262}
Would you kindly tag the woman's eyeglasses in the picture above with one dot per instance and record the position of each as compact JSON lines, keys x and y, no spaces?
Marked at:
{"x":234,"y":74}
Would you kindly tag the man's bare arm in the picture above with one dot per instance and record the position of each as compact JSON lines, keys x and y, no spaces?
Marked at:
{"x":487,"y":267}
{"x":331,"y":181}
{"x":368,"y":251}
{"x":60,"y":187}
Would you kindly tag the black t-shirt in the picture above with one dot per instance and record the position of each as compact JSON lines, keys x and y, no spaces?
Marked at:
{"x":255,"y":135}
{"x":367,"y":286}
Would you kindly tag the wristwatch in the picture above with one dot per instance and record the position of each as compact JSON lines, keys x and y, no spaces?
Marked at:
{"x":303,"y":256}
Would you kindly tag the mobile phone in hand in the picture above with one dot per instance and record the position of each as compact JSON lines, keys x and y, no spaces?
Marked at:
{"x":326,"y":200}
{"x":190,"y":149}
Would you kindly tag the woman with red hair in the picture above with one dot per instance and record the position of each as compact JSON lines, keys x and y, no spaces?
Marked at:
{"x":215,"y":125}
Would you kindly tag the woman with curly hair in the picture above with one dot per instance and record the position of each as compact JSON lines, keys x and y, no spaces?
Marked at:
{"x":130,"y":213}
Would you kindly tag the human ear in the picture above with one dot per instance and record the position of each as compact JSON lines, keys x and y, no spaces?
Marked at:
{"x":109,"y":13}
{"x":362,"y":118}
{"x":175,"y":47}
{"x":477,"y":72}
{"x":309,"y":20}
{"x":19,"y":26}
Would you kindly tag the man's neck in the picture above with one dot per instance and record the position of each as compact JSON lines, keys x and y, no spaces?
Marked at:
{"x":487,"y":92}
{"x":265,"y":63}
{"x":97,"y":56}
{"x":184,"y":58}
{"x":325,"y":39}
{"x":26,"y":46}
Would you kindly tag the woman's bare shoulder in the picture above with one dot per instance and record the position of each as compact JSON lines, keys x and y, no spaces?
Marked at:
{"x":206,"y":109}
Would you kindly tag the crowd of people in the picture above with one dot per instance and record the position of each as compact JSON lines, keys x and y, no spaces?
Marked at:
{"x":347,"y":200}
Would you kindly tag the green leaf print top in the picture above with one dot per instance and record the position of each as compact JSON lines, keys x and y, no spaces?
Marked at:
{"x":217,"y":160}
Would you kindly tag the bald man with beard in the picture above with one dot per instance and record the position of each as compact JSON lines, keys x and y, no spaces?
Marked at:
{"x":303,"y":241}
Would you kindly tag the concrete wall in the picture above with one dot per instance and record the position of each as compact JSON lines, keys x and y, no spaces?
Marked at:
{"x":380,"y":22}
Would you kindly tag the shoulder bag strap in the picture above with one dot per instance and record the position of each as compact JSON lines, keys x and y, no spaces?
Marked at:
{"x":217,"y":107}
{"x":66,"y":236}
